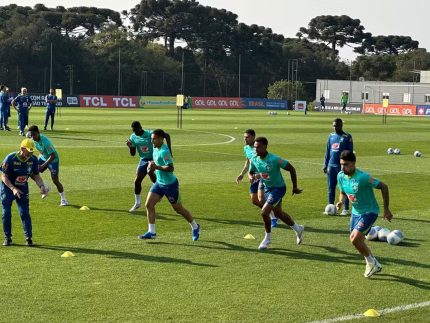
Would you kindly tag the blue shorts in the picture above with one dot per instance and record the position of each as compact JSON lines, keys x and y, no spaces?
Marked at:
{"x":171,"y":191}
{"x":363,"y":223}
{"x":54,"y":168}
{"x":274,"y":195}
{"x":256,"y":186}
{"x":142,"y":168}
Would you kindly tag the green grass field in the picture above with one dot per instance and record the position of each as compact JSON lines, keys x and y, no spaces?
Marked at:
{"x":222,"y":277}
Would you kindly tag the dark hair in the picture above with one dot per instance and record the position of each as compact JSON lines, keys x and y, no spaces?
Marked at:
{"x":136,"y":124}
{"x":338,"y":120}
{"x":2,"y":87}
{"x":250,"y":132}
{"x":262,"y":140}
{"x":34,"y":128}
{"x":159,"y":132}
{"x":347,"y":155}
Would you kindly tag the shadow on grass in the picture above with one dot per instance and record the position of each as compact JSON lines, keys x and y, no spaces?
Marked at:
{"x":399,"y":279}
{"x":413,"y":220}
{"x":123,"y":255}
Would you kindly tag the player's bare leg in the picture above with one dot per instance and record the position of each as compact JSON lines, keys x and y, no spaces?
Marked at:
{"x":60,"y":190}
{"x":357,"y":238}
{"x":179,"y":208}
{"x":137,"y":190}
{"x":262,"y":200}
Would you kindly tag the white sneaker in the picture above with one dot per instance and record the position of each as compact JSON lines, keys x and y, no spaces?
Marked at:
{"x":265,"y":243}
{"x":372,"y":268}
{"x":64,"y":203}
{"x":300,"y":234}
{"x":26,"y":127}
{"x":135,"y":207}
{"x":47,"y":188}
{"x":344,"y":213}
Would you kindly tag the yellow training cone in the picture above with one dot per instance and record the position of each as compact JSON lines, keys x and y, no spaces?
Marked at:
{"x":85,"y":208}
{"x":371,"y":313}
{"x":67,"y":254}
{"x":250,"y":237}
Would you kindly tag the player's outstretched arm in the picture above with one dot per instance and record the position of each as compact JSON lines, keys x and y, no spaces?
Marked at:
{"x":244,"y":171}
{"x":44,"y":166}
{"x":290,"y":168}
{"x":132,"y":149}
{"x":342,"y":200}
{"x":39,"y":182}
{"x":168,"y":142}
{"x":386,"y":198}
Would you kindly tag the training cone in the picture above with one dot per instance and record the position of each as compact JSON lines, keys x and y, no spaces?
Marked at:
{"x":84,"y":208}
{"x":371,"y":313}
{"x":67,"y":254}
{"x":250,"y":237}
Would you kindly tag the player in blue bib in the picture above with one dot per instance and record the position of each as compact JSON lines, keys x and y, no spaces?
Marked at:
{"x":338,"y":141}
{"x":256,"y":189}
{"x":166,"y":184}
{"x":5,"y":109}
{"x":17,"y":167}
{"x":358,"y":187}
{"x":140,"y":141}
{"x":51,"y":103}
{"x":268,"y":166}
{"x":22,"y":104}
{"x":48,"y":159}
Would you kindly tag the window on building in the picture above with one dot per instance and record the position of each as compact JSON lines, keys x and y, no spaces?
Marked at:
{"x":327,"y":94}
{"x":365,"y":96}
{"x":406,"y":98}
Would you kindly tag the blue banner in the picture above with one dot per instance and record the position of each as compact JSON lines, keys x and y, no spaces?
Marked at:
{"x":264,"y":104}
{"x":423,"y":110}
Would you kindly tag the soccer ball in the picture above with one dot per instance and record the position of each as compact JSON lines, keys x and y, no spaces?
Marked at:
{"x":288,"y":113}
{"x":390,"y":151}
{"x":377,"y":228}
{"x":270,"y":112}
{"x":394,"y":238}
{"x":372,"y":235}
{"x":397,"y":151}
{"x":275,"y":112}
{"x":330,"y":209}
{"x":400,"y":234}
{"x":417,"y":154}
{"x":383,"y":234}
{"x":28,"y":135}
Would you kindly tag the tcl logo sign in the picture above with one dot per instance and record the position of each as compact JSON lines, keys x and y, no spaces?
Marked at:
{"x":217,"y":103}
{"x":108,"y":101}
{"x":404,"y":110}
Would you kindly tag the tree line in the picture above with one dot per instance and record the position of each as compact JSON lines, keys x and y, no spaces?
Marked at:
{"x":151,"y":39}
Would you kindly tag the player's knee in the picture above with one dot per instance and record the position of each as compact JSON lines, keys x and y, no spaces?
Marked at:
{"x":355,"y":239}
{"x":178,"y":208}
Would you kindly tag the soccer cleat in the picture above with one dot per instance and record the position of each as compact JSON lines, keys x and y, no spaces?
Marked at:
{"x":148,"y":235}
{"x":26,"y":127}
{"x":7,"y":129}
{"x":21,"y":133}
{"x":52,"y":129}
{"x":344,"y":213}
{"x":47,"y":188}
{"x":44,"y":128}
{"x":265,"y":243}
{"x":64,"y":203}
{"x":7,"y":242}
{"x":196,"y":233}
{"x":274,"y":223}
{"x":135,"y":207}
{"x":372,"y":268}
{"x":300,"y":235}
{"x":29,"y":242}
{"x":379,"y":267}
{"x":1,"y":129}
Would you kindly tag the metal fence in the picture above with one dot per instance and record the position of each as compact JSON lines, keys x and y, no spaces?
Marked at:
{"x":133,"y":82}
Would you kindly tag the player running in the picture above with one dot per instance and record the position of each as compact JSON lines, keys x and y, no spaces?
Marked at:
{"x":268,"y":166}
{"x":166,"y":184}
{"x":337,"y":142}
{"x":140,"y":140}
{"x":358,"y":186}
{"x":256,"y":189}
{"x":16,"y":169}
{"x":48,"y":158}
{"x":51,"y":102}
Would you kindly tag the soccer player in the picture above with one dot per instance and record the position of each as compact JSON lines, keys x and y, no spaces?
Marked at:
{"x":51,"y":101}
{"x":24,"y":107}
{"x":256,"y":198}
{"x":268,"y":166}
{"x":140,"y":140}
{"x":338,"y":141}
{"x":322,"y":101}
{"x":5,"y":110}
{"x":344,"y":101}
{"x":48,"y":158}
{"x":357,"y":186}
{"x":166,"y":184}
{"x":16,"y":169}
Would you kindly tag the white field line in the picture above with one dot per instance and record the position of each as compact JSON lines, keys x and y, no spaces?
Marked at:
{"x":400,"y":308}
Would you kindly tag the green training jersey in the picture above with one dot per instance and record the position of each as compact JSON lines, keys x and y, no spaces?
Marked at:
{"x":46,"y":148}
{"x":269,"y":169}
{"x":163,"y":157}
{"x":143,"y":144}
{"x":249,"y":151}
{"x":359,"y":189}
